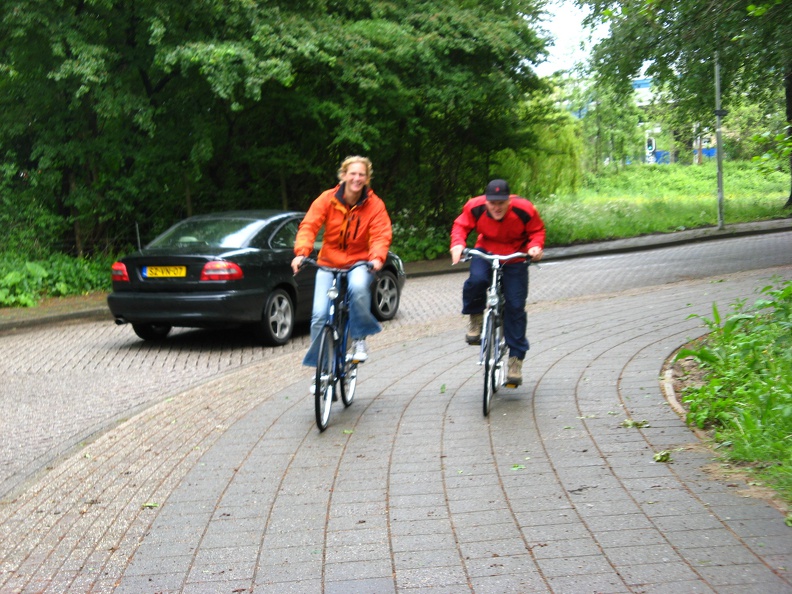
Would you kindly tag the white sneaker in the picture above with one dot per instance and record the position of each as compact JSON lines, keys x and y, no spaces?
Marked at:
{"x":313,"y":387}
{"x":360,"y":352}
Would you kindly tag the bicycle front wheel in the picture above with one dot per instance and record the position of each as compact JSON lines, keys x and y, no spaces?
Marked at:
{"x":489,"y":347}
{"x":348,"y":381}
{"x":325,"y":378}
{"x":499,"y":371}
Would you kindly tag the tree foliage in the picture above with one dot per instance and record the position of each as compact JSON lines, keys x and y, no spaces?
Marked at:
{"x":115,"y":112}
{"x":551,"y":158}
{"x":678,"y":41}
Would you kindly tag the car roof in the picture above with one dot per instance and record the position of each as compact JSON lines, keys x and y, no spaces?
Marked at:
{"x":262,"y":214}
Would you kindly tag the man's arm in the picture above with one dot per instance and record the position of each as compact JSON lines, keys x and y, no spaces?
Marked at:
{"x":536,"y":235}
{"x":460,"y":230}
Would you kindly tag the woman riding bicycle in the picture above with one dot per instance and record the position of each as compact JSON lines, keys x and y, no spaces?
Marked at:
{"x":505,"y":224}
{"x":357,"y":227}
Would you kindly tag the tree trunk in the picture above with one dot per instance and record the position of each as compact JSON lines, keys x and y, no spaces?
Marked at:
{"x":188,"y":195}
{"x":598,"y":142}
{"x":284,"y":191}
{"x":78,"y":239}
{"x":788,"y":96}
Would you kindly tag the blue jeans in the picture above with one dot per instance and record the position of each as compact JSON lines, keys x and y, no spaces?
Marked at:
{"x":362,"y":322}
{"x":515,"y":293}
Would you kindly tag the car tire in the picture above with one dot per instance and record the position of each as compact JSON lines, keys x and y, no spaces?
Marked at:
{"x":151,"y":331}
{"x":385,"y":296}
{"x":277,"y":320}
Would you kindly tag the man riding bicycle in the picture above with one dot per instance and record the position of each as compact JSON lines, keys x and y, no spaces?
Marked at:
{"x":505,"y":223}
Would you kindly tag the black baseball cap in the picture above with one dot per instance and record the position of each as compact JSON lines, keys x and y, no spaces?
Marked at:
{"x":497,"y":190}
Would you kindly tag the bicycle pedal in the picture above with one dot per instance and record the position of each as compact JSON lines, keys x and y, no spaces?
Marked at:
{"x":511,"y":385}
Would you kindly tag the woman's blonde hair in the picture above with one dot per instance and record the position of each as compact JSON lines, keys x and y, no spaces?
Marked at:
{"x":356,"y":159}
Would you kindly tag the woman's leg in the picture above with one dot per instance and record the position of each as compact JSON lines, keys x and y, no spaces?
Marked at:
{"x":362,"y":322}
{"x":321,"y":307}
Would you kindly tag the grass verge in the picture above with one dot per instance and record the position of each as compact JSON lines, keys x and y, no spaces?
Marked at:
{"x":744,"y":398}
{"x":645,"y":199}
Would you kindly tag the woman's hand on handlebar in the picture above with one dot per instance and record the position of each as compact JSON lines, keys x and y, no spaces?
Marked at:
{"x":376,"y":264}
{"x":297,"y":263}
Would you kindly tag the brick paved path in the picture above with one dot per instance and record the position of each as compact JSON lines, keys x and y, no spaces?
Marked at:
{"x":228,"y":487}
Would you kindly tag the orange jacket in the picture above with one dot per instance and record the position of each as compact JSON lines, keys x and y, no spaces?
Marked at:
{"x":362,"y":232}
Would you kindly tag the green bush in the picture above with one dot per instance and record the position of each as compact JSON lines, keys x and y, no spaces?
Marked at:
{"x":413,"y":242}
{"x":747,"y":397}
{"x":24,"y":283}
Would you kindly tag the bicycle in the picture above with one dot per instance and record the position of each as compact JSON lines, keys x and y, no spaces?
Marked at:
{"x":493,"y":343}
{"x":336,"y":371}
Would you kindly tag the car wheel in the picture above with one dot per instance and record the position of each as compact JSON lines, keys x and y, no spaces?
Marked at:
{"x":277,"y":321}
{"x":385,"y":296}
{"x":151,"y":331}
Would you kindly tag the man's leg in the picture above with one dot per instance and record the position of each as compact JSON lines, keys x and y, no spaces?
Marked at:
{"x":474,"y":298}
{"x":515,"y":293}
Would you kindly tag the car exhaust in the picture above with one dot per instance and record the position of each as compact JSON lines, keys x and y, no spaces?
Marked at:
{"x":120,"y":321}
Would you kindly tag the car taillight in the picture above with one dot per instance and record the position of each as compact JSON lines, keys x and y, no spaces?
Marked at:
{"x":221,"y":271}
{"x":119,"y":272}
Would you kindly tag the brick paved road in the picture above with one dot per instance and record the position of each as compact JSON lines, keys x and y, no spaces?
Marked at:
{"x":227,"y":486}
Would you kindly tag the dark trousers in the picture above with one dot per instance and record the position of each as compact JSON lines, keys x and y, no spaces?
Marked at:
{"x":515,"y":293}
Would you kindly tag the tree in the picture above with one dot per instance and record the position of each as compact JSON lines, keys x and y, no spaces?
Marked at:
{"x":610,"y":118}
{"x":678,"y":41}
{"x":122,"y":112}
{"x":551,"y":156}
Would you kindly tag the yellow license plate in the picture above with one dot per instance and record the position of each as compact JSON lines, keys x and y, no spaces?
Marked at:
{"x":164,"y":271}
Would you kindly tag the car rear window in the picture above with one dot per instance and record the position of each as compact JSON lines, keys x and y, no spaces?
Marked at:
{"x":225,"y":233}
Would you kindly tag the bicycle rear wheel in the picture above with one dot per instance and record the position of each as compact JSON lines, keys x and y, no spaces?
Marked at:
{"x":325,"y":379}
{"x":488,"y":335}
{"x":348,"y":382}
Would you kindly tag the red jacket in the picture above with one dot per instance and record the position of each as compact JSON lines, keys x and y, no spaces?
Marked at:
{"x":352,"y":234}
{"x":521,"y":228}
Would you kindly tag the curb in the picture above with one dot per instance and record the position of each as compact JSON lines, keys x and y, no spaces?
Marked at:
{"x":32,"y":317}
{"x":617,"y":246}
{"x":667,"y":382}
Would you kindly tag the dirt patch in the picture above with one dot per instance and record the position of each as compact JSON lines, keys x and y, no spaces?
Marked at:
{"x":744,"y":484}
{"x":687,"y":373}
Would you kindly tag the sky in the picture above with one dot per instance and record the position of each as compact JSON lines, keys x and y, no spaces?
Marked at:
{"x":565,"y":25}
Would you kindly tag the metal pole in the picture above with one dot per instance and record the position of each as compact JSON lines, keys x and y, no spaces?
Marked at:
{"x":719,"y":150}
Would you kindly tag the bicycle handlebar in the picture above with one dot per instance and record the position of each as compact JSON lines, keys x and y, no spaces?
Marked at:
{"x":468,"y":253}
{"x":313,"y":262}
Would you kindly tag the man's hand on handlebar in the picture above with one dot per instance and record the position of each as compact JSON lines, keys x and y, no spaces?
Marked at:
{"x":456,"y":254}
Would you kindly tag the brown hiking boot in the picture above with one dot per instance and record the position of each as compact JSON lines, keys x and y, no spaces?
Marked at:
{"x":514,"y":375}
{"x":473,"y":335}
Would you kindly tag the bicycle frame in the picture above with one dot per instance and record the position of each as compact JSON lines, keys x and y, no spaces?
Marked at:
{"x":493,"y":344}
{"x":335,"y":372}
{"x":338,"y":319}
